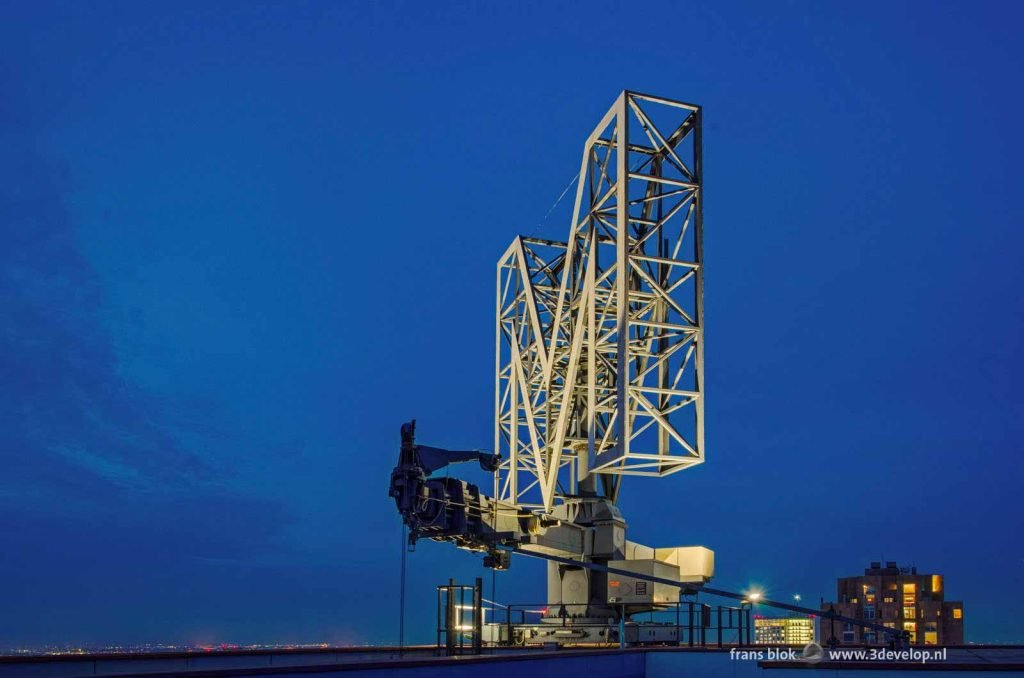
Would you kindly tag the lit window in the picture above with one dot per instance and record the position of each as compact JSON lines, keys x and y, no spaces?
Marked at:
{"x":909,"y":612}
{"x":936,"y":583}
{"x":958,"y":613}
{"x":911,"y":628}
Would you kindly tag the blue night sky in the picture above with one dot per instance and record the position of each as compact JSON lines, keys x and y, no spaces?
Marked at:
{"x":240,"y":244}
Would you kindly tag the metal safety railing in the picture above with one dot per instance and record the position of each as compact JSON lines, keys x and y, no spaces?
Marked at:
{"x":460,"y":618}
{"x":689,"y":622}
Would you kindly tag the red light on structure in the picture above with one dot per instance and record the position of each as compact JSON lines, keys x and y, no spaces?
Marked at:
{"x":613,"y":582}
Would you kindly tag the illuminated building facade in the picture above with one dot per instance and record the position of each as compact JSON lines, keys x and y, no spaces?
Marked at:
{"x":783,"y":630}
{"x":899,"y":598}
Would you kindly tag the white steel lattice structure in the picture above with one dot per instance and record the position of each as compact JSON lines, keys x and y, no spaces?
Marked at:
{"x":600,"y":358}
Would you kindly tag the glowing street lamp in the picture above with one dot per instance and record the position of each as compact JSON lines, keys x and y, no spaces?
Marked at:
{"x":746,"y":606}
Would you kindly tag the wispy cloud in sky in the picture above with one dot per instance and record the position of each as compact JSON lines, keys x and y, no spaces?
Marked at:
{"x":80,"y":440}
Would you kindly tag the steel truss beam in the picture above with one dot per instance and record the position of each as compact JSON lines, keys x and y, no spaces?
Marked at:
{"x":600,"y":352}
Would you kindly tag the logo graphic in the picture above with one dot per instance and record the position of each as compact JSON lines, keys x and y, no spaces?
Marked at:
{"x":812,"y":653}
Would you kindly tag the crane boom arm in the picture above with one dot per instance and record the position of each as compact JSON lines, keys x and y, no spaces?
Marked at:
{"x":453,"y":510}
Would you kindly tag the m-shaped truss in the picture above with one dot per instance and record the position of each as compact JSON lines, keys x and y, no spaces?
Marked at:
{"x":600,"y":363}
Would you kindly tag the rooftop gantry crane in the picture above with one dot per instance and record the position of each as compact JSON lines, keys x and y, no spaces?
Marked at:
{"x":599,"y":375}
